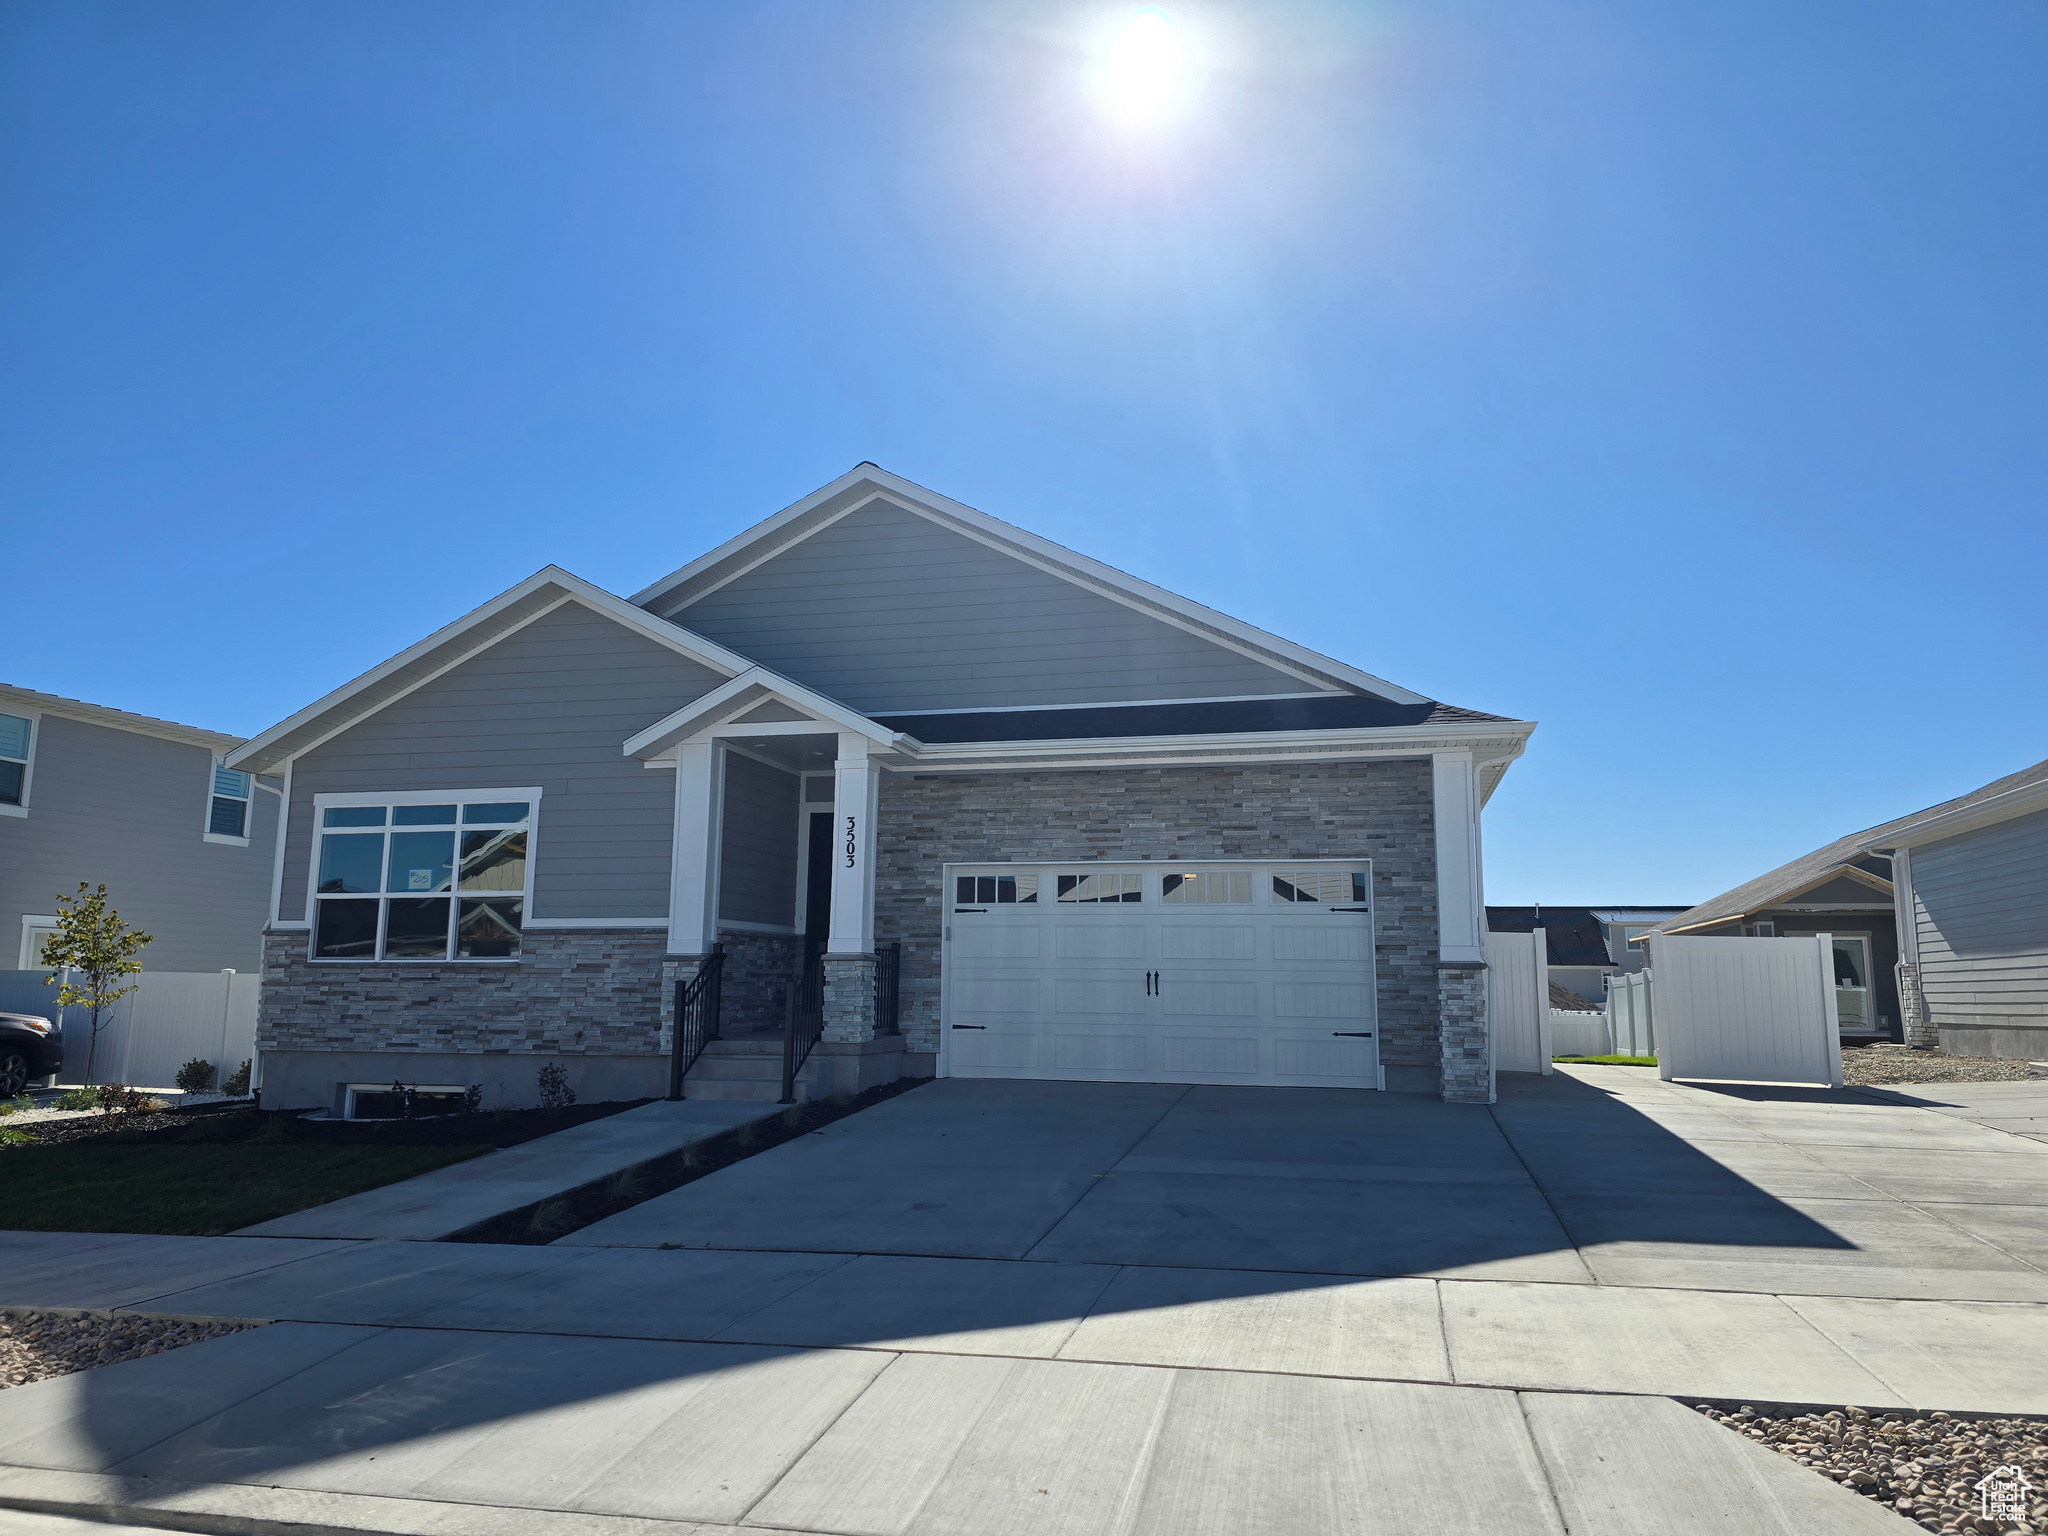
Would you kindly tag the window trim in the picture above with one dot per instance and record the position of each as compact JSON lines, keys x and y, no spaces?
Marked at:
{"x":33,"y":923}
{"x":206,"y":832}
{"x":28,"y":764}
{"x":459,"y":797}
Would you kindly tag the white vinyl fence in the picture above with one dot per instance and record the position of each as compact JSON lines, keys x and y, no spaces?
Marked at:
{"x":1631,"y":1015}
{"x":1748,"y":1010}
{"x":1518,"y":1000}
{"x":1577,"y":1032}
{"x":170,"y":1018}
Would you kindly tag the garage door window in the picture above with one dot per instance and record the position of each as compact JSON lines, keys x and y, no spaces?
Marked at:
{"x":1089,"y":890}
{"x":995,"y":890}
{"x":1320,"y":885}
{"x":1206,"y":888}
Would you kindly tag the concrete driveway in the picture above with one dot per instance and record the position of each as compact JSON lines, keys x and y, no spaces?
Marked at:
{"x":1081,"y":1308}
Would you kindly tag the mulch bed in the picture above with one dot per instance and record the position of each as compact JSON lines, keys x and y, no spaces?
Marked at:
{"x":545,"y":1220}
{"x":1878,"y":1066}
{"x":36,"y":1345}
{"x":1922,"y":1466}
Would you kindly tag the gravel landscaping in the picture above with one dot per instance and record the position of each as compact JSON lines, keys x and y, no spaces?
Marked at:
{"x":1876,"y":1066}
{"x":1922,"y":1466}
{"x":36,"y":1345}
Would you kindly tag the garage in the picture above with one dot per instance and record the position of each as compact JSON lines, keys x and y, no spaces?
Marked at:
{"x":1225,"y":972}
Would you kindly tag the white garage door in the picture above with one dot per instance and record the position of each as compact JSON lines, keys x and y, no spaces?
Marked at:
{"x":1162,"y":973}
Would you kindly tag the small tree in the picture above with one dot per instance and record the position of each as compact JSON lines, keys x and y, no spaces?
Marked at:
{"x":95,"y":949}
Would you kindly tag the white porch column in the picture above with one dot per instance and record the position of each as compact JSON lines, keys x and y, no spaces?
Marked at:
{"x":1460,"y":896}
{"x":693,"y":876}
{"x":855,"y":783}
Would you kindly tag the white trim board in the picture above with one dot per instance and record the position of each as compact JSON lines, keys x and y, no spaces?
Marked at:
{"x":767,"y":539}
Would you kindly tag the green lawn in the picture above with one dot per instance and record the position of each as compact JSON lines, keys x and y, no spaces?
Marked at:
{"x":198,"y":1190}
{"x":1609,"y":1061}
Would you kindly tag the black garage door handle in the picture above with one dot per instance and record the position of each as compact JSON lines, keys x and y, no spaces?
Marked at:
{"x":970,"y":1026}
{"x":1341,"y":1034}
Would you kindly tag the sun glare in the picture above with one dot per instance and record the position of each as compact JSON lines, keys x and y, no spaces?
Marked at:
{"x":1142,"y":80}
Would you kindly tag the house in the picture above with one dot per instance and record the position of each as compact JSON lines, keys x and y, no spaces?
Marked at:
{"x":1583,"y":945}
{"x":1939,"y":920}
{"x":183,"y":843}
{"x":1103,"y":832}
{"x":1970,"y":901}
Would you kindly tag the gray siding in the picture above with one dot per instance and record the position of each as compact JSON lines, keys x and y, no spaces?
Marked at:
{"x":885,"y":610}
{"x":1841,"y":892}
{"x":130,"y":810}
{"x":757,"y":852}
{"x":551,"y":705}
{"x":1980,"y":912}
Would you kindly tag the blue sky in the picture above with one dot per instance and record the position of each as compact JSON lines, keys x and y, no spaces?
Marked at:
{"x":1672,"y":376}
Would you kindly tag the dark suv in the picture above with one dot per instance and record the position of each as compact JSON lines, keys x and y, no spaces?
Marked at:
{"x":30,"y":1049}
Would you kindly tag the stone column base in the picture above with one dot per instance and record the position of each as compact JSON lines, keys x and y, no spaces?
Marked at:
{"x":849,"y":998}
{"x":1917,"y":1029}
{"x":1463,"y":1036}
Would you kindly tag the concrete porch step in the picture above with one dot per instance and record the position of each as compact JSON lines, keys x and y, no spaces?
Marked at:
{"x":746,"y":1070}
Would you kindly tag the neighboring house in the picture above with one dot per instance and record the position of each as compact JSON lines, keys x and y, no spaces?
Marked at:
{"x":1584,"y":945}
{"x":1965,"y":882}
{"x":184,"y":845}
{"x":1625,"y":927}
{"x":1117,"y":835}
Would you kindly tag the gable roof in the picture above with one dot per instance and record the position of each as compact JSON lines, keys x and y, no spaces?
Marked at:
{"x":1840,"y":857}
{"x":115,"y":719}
{"x":740,"y":702}
{"x":865,"y":483}
{"x":452,"y":644}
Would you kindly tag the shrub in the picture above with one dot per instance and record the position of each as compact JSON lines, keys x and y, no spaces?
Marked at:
{"x":472,"y":1098}
{"x":77,"y":1098}
{"x":197,"y":1075}
{"x":408,"y":1101}
{"x":555,"y":1092}
{"x":237,"y":1085}
{"x":15,"y":1106}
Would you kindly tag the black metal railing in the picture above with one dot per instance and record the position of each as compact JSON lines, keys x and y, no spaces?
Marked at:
{"x":697,"y":1000}
{"x":803,"y":1018}
{"x":888,"y":978}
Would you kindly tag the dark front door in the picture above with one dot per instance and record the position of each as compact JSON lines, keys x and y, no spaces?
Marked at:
{"x":818,"y":886}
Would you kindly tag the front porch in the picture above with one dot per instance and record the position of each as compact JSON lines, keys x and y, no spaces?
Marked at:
{"x":774,"y":986}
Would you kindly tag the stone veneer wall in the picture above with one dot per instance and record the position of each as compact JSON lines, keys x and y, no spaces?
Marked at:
{"x":758,"y":969}
{"x":1916,"y":1028}
{"x":1466,"y":1067}
{"x":573,"y":992}
{"x":1308,"y":810}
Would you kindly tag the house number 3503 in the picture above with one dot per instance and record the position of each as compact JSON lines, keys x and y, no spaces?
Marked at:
{"x":850,"y":843}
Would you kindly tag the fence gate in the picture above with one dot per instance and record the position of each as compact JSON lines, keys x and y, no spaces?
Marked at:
{"x":1518,"y":1000}
{"x":1747,"y":1010}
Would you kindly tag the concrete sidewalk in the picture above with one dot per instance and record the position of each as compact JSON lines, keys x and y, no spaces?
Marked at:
{"x":450,"y":1199}
{"x":465,"y":1434}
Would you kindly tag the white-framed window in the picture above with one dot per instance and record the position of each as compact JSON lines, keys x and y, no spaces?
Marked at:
{"x":1632,"y":934}
{"x":994,"y":890}
{"x":227,"y":806}
{"x":36,"y":931}
{"x":1207,"y":887}
{"x":1322,"y":885}
{"x":17,"y":752}
{"x":422,"y":876}
{"x":1091,"y":890}
{"x":377,"y":1101}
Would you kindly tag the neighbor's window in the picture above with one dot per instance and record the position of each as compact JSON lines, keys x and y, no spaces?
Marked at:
{"x":422,"y":882}
{"x":994,"y":890}
{"x":1321,"y":885}
{"x":1632,"y":934}
{"x":228,"y":815}
{"x":1099,"y":888}
{"x":14,"y":735}
{"x":1233,"y":885}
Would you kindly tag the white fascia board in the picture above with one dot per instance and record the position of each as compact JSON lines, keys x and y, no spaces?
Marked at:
{"x":1384,"y":741}
{"x":745,"y":692}
{"x":573,"y":588}
{"x":2023,"y":801}
{"x":115,"y":719}
{"x":1056,"y":559}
